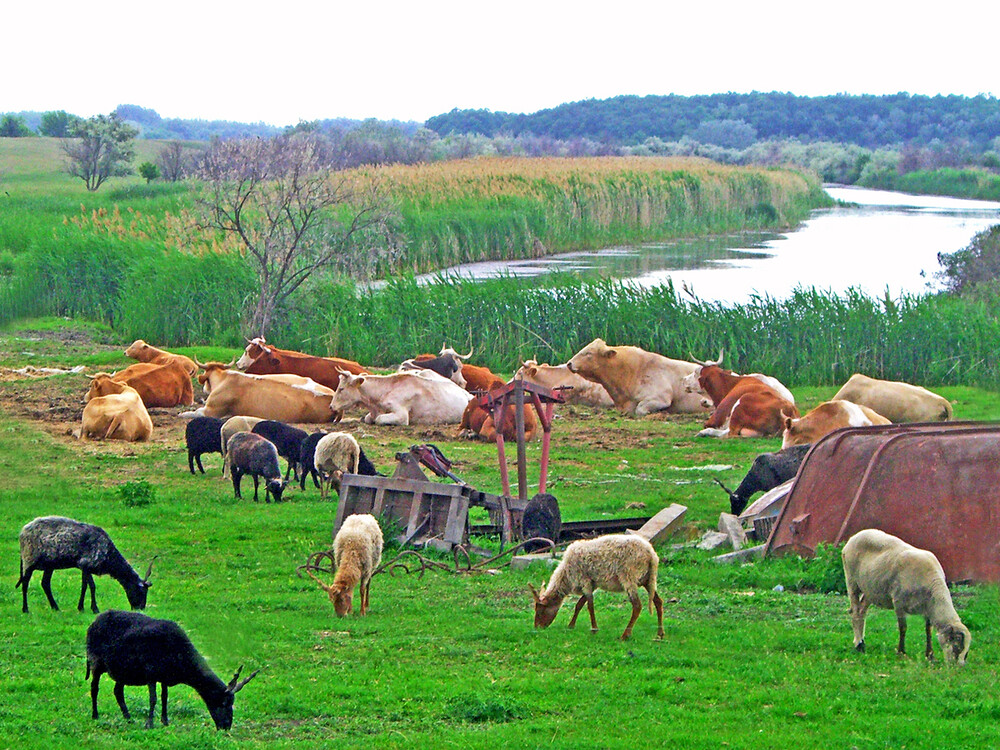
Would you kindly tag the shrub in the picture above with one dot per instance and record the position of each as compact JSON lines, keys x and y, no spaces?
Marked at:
{"x":137,"y":493}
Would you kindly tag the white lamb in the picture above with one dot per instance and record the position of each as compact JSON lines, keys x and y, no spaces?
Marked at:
{"x":884,"y":570}
{"x":615,"y":562}
{"x":336,"y":454}
{"x":357,"y":551}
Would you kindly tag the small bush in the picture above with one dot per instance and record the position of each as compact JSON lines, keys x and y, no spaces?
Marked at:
{"x":478,"y":709}
{"x":137,"y":493}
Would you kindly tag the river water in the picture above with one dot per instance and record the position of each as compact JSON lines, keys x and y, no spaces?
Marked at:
{"x":884,"y":241}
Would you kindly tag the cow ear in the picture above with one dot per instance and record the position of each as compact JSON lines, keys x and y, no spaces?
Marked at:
{"x":786,"y":420}
{"x":610,"y":353}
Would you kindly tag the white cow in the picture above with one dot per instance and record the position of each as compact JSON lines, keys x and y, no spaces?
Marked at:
{"x":896,"y":401}
{"x":552,"y":376}
{"x":411,"y":397}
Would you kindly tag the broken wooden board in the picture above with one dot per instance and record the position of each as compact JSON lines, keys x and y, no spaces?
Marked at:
{"x":768,"y":504}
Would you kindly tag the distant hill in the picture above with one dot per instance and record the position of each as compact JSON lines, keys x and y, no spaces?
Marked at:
{"x":735,"y":120}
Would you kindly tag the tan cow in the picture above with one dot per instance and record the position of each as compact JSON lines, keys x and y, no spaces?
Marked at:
{"x":639,"y":382}
{"x":115,"y":413}
{"x":144,"y":352}
{"x":896,"y":401}
{"x":411,"y":397}
{"x":553,"y":376}
{"x":287,"y":398}
{"x":824,"y":419}
{"x":157,"y":385}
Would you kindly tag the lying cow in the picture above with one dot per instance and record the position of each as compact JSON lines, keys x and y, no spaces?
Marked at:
{"x":825,"y":418}
{"x":412,"y":397}
{"x":896,"y":401}
{"x":580,"y":391}
{"x":767,"y":472}
{"x":745,"y":406}
{"x":692,"y":386}
{"x":144,"y":352}
{"x":286,"y":398}
{"x":260,"y":358}
{"x":115,"y":412}
{"x":639,"y":382}
{"x":448,"y":364}
{"x":157,"y":385}
{"x":477,"y":421}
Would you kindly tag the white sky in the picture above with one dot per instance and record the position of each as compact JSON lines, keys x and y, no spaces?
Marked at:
{"x":281,"y":62}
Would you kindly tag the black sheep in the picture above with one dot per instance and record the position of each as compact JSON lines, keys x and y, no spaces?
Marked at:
{"x":541,"y":519}
{"x":203,"y":435}
{"x":366,"y":467}
{"x":56,"y":543}
{"x":768,"y":471}
{"x":287,"y":439}
{"x":137,"y":650}
{"x":252,"y":454}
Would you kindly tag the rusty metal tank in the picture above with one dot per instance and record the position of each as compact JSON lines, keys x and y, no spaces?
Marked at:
{"x":934,"y":485}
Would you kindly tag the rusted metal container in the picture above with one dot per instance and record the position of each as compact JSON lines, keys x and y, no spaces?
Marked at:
{"x":934,"y":485}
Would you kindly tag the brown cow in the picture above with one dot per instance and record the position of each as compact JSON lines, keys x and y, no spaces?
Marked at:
{"x":158,"y":386}
{"x":286,"y":398}
{"x":478,"y":421}
{"x":825,"y":418}
{"x":745,"y":406}
{"x":143,"y":352}
{"x":260,"y":358}
{"x":116,"y":414}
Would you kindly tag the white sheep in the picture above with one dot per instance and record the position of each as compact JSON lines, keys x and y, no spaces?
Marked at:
{"x":884,"y":570}
{"x":615,"y":562}
{"x":357,"y":551}
{"x":336,"y":454}
{"x":229,"y":428}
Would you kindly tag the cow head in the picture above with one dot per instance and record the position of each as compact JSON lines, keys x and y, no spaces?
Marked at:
{"x":528,"y":369}
{"x":793,"y":434}
{"x":140,"y":350}
{"x":103,"y":385}
{"x":213,"y":373}
{"x":348,"y":392}
{"x":595,"y":357}
{"x":255,"y":348}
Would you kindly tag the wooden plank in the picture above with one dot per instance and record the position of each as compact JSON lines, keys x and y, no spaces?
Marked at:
{"x":458,"y":516}
{"x":415,"y":503}
{"x":768,"y":504}
{"x":379,"y":501}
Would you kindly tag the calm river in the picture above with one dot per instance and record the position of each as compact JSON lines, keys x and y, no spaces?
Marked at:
{"x":887,"y":241}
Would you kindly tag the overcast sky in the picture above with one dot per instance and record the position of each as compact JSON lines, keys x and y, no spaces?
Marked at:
{"x":281,"y":62}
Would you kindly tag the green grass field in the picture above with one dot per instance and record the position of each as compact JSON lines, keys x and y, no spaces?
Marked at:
{"x":448,"y":660}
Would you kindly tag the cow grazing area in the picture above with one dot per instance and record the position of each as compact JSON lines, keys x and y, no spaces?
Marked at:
{"x":451,"y":660}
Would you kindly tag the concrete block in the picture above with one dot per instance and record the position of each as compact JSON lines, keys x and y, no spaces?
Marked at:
{"x":713,"y":540}
{"x":730,"y":526}
{"x":520,"y":562}
{"x":664,"y":524}
{"x":741,"y":556}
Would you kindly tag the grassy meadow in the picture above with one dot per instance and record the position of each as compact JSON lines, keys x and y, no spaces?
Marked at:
{"x":449,"y":660}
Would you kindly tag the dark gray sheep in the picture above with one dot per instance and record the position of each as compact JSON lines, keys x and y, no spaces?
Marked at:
{"x":247,"y":453}
{"x":137,"y":650}
{"x":55,"y":543}
{"x":202,"y":435}
{"x":768,"y":471}
{"x":541,"y":519}
{"x":287,"y":439}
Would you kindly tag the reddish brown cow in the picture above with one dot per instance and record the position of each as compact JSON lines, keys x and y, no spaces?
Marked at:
{"x":260,"y":358}
{"x":144,"y":352}
{"x":158,"y":386}
{"x":744,"y":406}
{"x":478,"y":420}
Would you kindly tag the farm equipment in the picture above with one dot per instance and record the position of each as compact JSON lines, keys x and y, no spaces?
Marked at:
{"x":933,"y":485}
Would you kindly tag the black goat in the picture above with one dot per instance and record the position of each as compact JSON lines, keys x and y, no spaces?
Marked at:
{"x":202,"y":435}
{"x":768,"y":471}
{"x":54,"y":543}
{"x":137,"y":650}
{"x":287,"y":439}
{"x":252,"y":454}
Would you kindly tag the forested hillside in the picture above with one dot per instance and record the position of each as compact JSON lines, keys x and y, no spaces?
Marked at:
{"x":737,"y":120}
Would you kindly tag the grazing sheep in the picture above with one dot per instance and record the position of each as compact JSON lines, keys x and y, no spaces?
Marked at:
{"x":137,"y":650}
{"x":202,"y":435}
{"x":357,"y":551}
{"x":307,"y":459}
{"x":337,"y":453}
{"x":287,"y":439}
{"x":614,"y":562}
{"x":767,"y":472}
{"x":55,"y":543}
{"x":229,"y":428}
{"x":541,"y":519}
{"x":884,"y":570}
{"x":251,"y":454}
{"x":365,"y":466}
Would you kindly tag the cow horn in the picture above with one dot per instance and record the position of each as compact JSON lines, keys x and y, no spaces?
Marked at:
{"x":200,"y":364}
{"x":465,"y":356}
{"x":232,"y":362}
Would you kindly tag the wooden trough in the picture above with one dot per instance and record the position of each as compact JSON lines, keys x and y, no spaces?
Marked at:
{"x":933,"y":485}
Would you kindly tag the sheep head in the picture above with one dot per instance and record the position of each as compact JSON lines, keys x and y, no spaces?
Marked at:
{"x":546,"y":607}
{"x":955,"y":641}
{"x":342,"y":599}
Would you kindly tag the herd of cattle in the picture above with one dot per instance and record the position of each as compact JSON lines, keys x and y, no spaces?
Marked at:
{"x":291,"y":387}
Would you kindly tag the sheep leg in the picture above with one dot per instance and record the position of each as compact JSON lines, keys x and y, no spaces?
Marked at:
{"x":163,"y":701}
{"x":120,"y":697}
{"x":929,"y":651}
{"x":95,"y":685}
{"x":579,"y":606}
{"x":590,"y":609}
{"x":256,"y":484}
{"x":47,"y":588}
{"x":658,"y":603}
{"x":152,"y":705}
{"x":198,"y":459}
{"x":87,"y":579}
{"x":25,"y":578}
{"x":364,"y":598}
{"x":237,"y":476}
{"x":901,"y":619}
{"x":191,"y":461}
{"x":633,"y":596}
